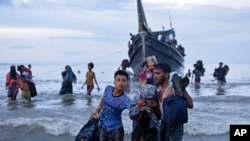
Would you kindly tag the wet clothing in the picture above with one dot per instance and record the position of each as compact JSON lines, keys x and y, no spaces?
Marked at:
{"x":67,"y":88}
{"x":24,"y":85}
{"x":221,"y":73}
{"x":197,"y":75}
{"x":12,"y":92}
{"x":147,"y":126}
{"x":68,"y":78}
{"x":113,"y":135}
{"x":12,"y":83}
{"x":110,"y":117}
{"x":171,"y":133}
{"x":26,"y":95}
{"x":167,"y":132}
{"x":89,"y":89}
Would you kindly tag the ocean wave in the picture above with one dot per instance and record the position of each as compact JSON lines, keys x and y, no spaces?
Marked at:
{"x":53,"y":126}
{"x":56,"y":127}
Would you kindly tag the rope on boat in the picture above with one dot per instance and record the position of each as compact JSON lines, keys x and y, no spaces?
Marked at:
{"x":98,"y":58}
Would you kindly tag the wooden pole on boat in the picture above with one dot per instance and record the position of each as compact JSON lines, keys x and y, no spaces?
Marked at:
{"x":170,"y":20}
{"x":141,"y":17}
{"x":143,"y":46}
{"x":143,"y":26}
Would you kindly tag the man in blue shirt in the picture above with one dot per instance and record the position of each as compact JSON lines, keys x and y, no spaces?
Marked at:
{"x":111,"y":106}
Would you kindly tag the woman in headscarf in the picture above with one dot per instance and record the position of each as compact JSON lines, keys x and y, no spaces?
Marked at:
{"x":145,"y":113}
{"x":68,"y":78}
{"x":12,"y":82}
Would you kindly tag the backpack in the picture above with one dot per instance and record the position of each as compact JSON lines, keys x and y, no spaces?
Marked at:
{"x":215,"y":74}
{"x":32,"y":87}
{"x":175,"y":110}
{"x":226,"y":69}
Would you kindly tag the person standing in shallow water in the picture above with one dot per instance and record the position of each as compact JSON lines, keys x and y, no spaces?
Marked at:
{"x":220,"y":75}
{"x":24,"y":86}
{"x":90,"y":78}
{"x":68,"y":77}
{"x":188,"y":74}
{"x":110,"y":108}
{"x":12,"y":82}
{"x":161,"y":77}
{"x":197,"y":76}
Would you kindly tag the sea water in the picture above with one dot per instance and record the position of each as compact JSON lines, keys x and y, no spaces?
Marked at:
{"x":53,"y":117}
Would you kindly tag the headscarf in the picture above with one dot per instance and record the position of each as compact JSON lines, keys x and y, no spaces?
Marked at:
{"x":147,"y":91}
{"x":13,"y":72}
{"x":69,"y":73}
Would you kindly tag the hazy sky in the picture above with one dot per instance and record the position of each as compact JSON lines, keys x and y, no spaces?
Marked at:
{"x":79,"y":31}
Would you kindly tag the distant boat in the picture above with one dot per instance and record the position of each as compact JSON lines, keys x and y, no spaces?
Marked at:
{"x":160,"y":44}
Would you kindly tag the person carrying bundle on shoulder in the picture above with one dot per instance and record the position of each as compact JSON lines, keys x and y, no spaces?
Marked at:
{"x":171,"y":128}
{"x":220,"y":74}
{"x":68,"y":77}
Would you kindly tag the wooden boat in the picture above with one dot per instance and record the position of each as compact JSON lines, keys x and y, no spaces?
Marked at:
{"x":160,"y":44}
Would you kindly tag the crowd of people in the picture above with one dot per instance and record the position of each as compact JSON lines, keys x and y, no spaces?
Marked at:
{"x":22,"y":80}
{"x":219,"y":74}
{"x":145,"y":109}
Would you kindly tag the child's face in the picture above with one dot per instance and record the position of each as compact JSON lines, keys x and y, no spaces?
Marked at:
{"x":89,"y":67}
{"x":121,"y":82}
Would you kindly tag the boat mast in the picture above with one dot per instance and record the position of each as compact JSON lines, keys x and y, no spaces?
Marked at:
{"x":142,"y":26}
{"x":171,"y":27}
{"x":170,"y":20}
{"x":141,"y":17}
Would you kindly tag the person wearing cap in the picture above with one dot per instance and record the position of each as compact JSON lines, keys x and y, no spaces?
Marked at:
{"x":146,"y":114}
{"x":12,"y":82}
{"x":162,"y":77}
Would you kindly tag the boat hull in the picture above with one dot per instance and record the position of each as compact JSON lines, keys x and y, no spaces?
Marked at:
{"x":146,"y":45}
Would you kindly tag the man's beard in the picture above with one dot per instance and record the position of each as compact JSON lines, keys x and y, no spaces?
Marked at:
{"x":161,"y":81}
